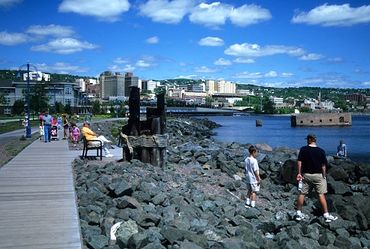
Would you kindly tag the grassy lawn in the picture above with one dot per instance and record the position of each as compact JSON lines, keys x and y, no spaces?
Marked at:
{"x":14,"y":125}
{"x":12,"y":147}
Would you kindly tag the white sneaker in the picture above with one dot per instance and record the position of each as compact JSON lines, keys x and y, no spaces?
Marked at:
{"x":108,"y":155}
{"x":299,"y":217}
{"x":330,"y":218}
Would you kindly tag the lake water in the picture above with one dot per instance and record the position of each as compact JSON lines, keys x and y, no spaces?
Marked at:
{"x":276,"y":131}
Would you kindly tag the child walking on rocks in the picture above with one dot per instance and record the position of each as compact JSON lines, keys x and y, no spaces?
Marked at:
{"x":252,"y":177}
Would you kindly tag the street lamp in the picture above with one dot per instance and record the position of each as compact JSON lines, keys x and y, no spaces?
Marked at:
{"x":28,"y":125}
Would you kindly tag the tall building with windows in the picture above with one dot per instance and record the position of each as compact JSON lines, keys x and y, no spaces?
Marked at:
{"x":220,"y":86}
{"x":130,"y":80}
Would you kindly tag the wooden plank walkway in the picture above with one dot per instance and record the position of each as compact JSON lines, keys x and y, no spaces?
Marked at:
{"x":37,"y":199}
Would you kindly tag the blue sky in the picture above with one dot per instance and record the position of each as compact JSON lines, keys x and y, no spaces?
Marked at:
{"x":271,"y":43}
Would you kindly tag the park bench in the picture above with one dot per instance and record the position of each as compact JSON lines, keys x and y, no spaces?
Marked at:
{"x":92,"y":145}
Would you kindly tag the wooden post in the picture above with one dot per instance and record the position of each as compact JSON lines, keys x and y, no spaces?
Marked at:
{"x":134,"y":108}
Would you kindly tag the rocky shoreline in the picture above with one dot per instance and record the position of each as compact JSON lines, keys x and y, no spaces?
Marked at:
{"x":197,"y":200}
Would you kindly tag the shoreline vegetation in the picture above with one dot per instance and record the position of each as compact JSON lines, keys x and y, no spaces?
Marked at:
{"x":197,"y":199}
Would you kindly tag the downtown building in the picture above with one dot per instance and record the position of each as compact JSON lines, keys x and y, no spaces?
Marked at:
{"x":65,"y":93}
{"x":220,"y":86}
{"x":117,"y":85}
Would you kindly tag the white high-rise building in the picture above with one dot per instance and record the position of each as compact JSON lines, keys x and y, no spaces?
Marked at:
{"x":220,"y":86}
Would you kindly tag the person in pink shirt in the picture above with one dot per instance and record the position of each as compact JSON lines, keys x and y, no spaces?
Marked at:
{"x":75,"y":134}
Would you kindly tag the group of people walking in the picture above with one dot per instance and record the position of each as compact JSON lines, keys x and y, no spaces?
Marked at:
{"x":51,"y":125}
{"x":311,"y":175}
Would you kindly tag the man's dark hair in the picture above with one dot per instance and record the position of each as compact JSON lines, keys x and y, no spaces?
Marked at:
{"x":252,"y":149}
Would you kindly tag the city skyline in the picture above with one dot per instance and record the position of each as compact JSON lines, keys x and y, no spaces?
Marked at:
{"x":310,"y":43}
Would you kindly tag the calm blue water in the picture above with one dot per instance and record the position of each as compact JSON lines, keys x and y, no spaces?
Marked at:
{"x":276,"y":131}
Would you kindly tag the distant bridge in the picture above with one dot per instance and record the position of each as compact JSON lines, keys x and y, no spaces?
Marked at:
{"x":193,"y":111}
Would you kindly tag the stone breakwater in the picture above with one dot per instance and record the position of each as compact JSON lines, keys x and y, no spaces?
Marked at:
{"x":197,"y":200}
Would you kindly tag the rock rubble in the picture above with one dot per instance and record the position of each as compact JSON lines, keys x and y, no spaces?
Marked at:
{"x":197,"y":199}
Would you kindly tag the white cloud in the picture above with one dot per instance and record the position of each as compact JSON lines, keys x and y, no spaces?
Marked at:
{"x":255,"y":50}
{"x":125,"y":68}
{"x":191,"y":76}
{"x":9,"y":3}
{"x":165,"y":11}
{"x":11,"y":39}
{"x":204,"y":69}
{"x":334,"y":15}
{"x":249,"y":14}
{"x":120,"y":60}
{"x":271,"y":74}
{"x":102,"y":9}
{"x":222,"y":62}
{"x":216,"y":14}
{"x":152,"y":40}
{"x":128,"y":68}
{"x":61,"y":67}
{"x":287,"y":74}
{"x":244,"y":60}
{"x":64,"y":46}
{"x":259,"y":75}
{"x":52,"y":30}
{"x":143,"y":63}
{"x":248,"y":75}
{"x":311,"y":57}
{"x":211,"y":41}
{"x":366,"y":84}
{"x":212,"y":15}
{"x":336,"y":60}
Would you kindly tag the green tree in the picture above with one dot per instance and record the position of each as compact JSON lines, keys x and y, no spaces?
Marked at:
{"x":68,"y":109}
{"x":38,"y":97}
{"x":268,"y":106}
{"x":59,"y":107}
{"x":96,"y":107}
{"x":112,"y":111}
{"x":2,"y":98}
{"x":18,"y":107}
{"x":209,"y":101}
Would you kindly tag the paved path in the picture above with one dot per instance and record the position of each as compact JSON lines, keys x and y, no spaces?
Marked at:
{"x":37,"y":199}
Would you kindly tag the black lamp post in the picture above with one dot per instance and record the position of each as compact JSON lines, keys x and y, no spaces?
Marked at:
{"x":28,"y":125}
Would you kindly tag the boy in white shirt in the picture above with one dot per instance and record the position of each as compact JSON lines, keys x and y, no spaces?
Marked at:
{"x":252,"y":177}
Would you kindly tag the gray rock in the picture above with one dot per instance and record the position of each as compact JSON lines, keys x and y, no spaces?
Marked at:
{"x":159,"y":198}
{"x":127,"y":202}
{"x":125,"y":231}
{"x":338,"y":173}
{"x":288,"y":172}
{"x":154,"y":245}
{"x":138,"y":240}
{"x":172,"y":234}
{"x":364,"y":180}
{"x":234,"y":244}
{"x":97,"y":241}
{"x":338,"y":187}
{"x":188,"y":245}
{"x":326,"y":238}
{"x":120,"y":188}
{"x":308,"y":243}
{"x":345,"y":243}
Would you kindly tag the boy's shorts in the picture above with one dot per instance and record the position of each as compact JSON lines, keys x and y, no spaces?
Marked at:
{"x":253,"y":187}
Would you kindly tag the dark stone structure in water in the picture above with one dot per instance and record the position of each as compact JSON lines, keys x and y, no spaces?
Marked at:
{"x":321,"y":119}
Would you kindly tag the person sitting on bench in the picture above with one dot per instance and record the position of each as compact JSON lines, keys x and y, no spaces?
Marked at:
{"x":90,"y":135}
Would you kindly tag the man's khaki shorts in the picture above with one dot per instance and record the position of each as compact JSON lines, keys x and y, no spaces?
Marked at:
{"x":253,"y":187}
{"x":316,"y":181}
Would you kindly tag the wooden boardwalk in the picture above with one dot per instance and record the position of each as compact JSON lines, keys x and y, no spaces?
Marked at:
{"x":37,"y":199}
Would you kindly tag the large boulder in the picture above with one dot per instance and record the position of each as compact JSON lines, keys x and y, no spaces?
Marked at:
{"x":288,"y":172}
